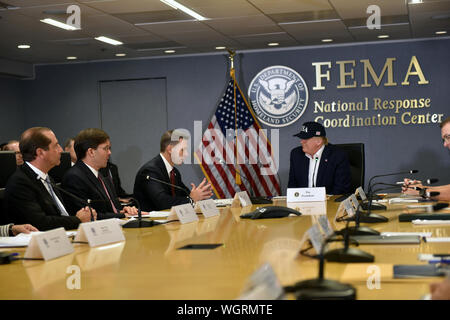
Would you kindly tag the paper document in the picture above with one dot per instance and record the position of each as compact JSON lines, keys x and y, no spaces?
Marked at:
{"x":431,"y":222}
{"x":420,"y":234}
{"x":444,"y":239}
{"x":402,"y":200}
{"x":156,"y":214}
{"x":223,"y":202}
{"x":23,"y":239}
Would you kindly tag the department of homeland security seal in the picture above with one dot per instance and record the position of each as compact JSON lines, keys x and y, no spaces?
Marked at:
{"x":279,"y":96}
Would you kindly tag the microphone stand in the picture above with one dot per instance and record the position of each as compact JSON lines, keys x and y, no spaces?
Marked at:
{"x":84,"y":202}
{"x":348,"y":254}
{"x":357,"y":229}
{"x":321,"y":288}
{"x":139,"y":223}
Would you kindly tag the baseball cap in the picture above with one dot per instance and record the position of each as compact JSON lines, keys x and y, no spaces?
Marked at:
{"x":311,"y":129}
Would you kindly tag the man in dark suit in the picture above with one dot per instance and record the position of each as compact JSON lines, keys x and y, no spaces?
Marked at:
{"x":30,"y":197}
{"x":316,"y":163}
{"x":154,"y":195}
{"x":111,"y":172}
{"x":93,"y":149}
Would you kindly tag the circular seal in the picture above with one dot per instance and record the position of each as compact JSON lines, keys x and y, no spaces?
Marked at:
{"x":279,"y":96}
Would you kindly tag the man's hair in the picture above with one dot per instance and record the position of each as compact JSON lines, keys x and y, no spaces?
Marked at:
{"x":68,"y":141}
{"x":89,"y":138}
{"x":32,"y":139}
{"x":443,"y":123}
{"x":6,"y":146}
{"x":172,"y":137}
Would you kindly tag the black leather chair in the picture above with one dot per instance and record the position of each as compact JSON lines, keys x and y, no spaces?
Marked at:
{"x":356,"y":157}
{"x":57,"y":173}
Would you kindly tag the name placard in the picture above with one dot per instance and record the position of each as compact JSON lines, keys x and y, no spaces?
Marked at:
{"x":325,"y":225}
{"x":49,"y":245}
{"x":184,"y":212}
{"x":316,"y":237}
{"x":348,"y":206}
{"x":263,"y":285}
{"x":306,"y":194}
{"x":241,"y":199}
{"x":208,"y":208}
{"x":100,"y":232}
{"x":361,"y":193}
{"x":354,"y":201}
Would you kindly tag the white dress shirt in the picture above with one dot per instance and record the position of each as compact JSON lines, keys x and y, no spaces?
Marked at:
{"x":314,"y":163}
{"x":169,"y":167}
{"x":43,"y":176}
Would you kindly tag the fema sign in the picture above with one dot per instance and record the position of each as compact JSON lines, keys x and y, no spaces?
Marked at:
{"x":278,"y":95}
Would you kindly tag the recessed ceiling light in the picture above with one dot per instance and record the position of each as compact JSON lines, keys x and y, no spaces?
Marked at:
{"x":109,"y":40}
{"x":121,"y":54}
{"x":441,"y":32}
{"x":383,"y":36}
{"x":220,"y":48}
{"x":190,"y":12}
{"x":24,"y":46}
{"x":273,"y":44}
{"x":169,"y":51}
{"x":59,"y":24}
{"x":327,"y":40}
{"x":71,"y":58}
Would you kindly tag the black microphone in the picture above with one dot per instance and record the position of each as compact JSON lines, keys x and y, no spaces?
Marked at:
{"x":428,"y":194}
{"x":70,"y":194}
{"x":188,"y":195}
{"x":314,"y":172}
{"x":321,"y":288}
{"x":139,"y":223}
{"x":369,"y":186}
{"x":253,"y":198}
{"x":431,"y":181}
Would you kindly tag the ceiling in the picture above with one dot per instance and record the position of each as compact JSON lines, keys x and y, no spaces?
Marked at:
{"x":150,"y":27}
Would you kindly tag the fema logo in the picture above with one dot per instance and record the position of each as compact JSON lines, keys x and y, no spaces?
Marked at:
{"x":279,"y":96}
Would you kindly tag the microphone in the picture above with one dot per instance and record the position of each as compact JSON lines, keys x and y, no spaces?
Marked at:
{"x":321,"y":288}
{"x":388,"y":174}
{"x":173,"y":185}
{"x":139,"y":223}
{"x":431,"y":181}
{"x":428,"y":194}
{"x":70,"y":194}
{"x":253,"y":198}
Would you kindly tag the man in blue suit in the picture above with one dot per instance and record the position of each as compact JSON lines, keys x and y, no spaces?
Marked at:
{"x":316,"y":163}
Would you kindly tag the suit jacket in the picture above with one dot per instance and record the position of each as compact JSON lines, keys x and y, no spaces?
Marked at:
{"x":81,"y":181}
{"x":333,"y":173}
{"x":153,"y":195}
{"x":28,"y":201}
{"x":111,"y":172}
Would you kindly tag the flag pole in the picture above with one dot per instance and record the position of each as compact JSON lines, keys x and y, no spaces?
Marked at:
{"x":232,"y":75}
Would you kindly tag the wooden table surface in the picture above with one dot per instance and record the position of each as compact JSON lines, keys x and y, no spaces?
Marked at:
{"x":149,"y":266}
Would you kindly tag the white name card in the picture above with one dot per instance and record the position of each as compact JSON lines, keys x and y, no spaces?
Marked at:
{"x":100,"y":232}
{"x":325,"y":225}
{"x":184,"y":212}
{"x":263,"y":285}
{"x":306,"y":194}
{"x":208,"y":208}
{"x":316,"y":238}
{"x":354,"y":201}
{"x":241,"y":199}
{"x":49,"y":245}
{"x":361,"y":193}
{"x":348,"y":206}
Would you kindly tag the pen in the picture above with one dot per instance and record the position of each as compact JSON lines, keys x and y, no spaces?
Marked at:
{"x":445,"y":261}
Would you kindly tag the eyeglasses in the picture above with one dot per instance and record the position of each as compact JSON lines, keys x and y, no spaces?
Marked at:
{"x":107,"y":148}
{"x":446,"y":138}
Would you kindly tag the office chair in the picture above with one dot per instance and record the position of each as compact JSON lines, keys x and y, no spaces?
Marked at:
{"x":57,"y":173}
{"x":356,"y":157}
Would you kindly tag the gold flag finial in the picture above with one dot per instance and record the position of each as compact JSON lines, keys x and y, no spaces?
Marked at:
{"x":231,"y":57}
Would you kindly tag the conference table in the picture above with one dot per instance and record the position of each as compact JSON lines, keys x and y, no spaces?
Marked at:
{"x":150,"y":265}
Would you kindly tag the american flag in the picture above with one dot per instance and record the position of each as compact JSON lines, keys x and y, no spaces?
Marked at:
{"x":252,"y":168}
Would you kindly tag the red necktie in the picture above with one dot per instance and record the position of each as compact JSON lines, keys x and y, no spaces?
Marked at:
{"x":172,"y":181}
{"x":106,"y":191}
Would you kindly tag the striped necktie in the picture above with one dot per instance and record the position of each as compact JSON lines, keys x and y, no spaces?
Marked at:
{"x":56,"y":200}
